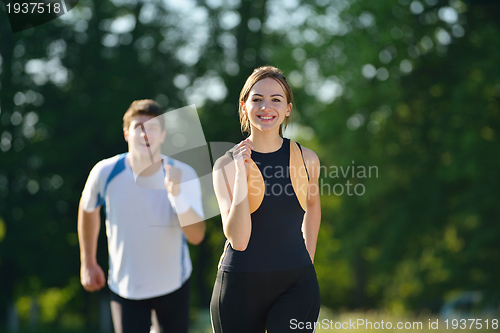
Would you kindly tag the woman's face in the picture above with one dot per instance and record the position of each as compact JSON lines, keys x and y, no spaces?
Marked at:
{"x":266,"y":106}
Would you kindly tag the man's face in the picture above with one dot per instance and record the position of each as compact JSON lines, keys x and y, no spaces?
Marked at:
{"x":144,"y":130}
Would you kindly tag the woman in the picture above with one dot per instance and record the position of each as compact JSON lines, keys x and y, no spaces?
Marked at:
{"x":267,"y":189}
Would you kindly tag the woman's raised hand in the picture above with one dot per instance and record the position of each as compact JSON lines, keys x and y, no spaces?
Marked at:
{"x":241,"y":155}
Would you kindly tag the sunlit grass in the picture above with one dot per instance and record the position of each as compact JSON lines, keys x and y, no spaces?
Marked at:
{"x":328,"y":320}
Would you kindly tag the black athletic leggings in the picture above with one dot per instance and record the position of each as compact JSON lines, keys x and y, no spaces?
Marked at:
{"x":255,"y":301}
{"x":172,"y":312}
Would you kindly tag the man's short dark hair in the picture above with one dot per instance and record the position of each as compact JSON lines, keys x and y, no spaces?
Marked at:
{"x":143,"y":107}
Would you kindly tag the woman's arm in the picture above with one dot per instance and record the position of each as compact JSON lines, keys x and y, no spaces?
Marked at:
{"x":312,"y":217}
{"x":230,"y":184}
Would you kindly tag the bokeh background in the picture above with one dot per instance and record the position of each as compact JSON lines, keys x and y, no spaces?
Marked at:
{"x":409,"y":88}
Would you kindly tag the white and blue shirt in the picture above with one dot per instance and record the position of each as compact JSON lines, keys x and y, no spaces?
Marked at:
{"x":148,"y":253}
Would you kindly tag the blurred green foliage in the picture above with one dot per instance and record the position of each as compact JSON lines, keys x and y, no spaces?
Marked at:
{"x":409,"y":88}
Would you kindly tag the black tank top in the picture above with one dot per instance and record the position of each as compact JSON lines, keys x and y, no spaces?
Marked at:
{"x":276,"y":242}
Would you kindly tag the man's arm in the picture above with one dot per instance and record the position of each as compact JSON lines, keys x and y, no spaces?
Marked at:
{"x":193,"y":225}
{"x":89,"y":224}
{"x":195,"y":232}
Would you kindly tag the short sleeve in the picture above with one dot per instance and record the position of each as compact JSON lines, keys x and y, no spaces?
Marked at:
{"x":91,"y":195}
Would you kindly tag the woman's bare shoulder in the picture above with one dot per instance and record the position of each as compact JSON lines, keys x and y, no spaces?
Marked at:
{"x":310,"y":156}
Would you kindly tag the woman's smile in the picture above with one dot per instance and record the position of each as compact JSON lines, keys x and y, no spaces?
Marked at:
{"x":266,"y":119}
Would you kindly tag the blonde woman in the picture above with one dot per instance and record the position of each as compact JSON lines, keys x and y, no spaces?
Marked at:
{"x":267,"y":191}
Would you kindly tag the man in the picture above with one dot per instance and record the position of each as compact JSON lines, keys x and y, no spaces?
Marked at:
{"x":147,"y":228}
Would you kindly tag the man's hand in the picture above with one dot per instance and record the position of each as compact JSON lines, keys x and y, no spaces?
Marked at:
{"x":92,"y":277}
{"x":173,"y":179}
